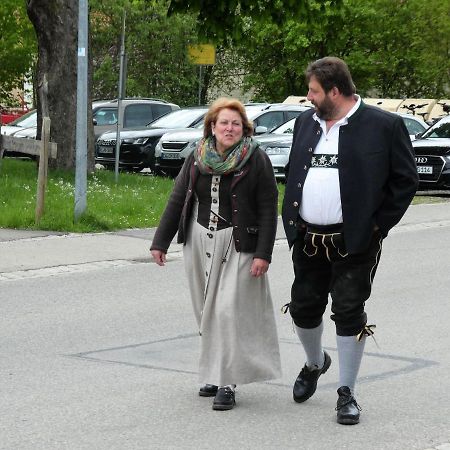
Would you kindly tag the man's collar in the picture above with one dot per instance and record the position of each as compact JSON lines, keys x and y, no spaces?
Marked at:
{"x":355,"y":106}
{"x":344,"y":119}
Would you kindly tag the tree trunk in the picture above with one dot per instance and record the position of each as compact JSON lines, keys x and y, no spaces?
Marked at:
{"x":56,"y":26}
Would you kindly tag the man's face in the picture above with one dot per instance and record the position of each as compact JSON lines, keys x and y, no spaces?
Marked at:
{"x":323,"y":103}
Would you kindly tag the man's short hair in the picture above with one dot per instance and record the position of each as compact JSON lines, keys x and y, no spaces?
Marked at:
{"x":331,"y":72}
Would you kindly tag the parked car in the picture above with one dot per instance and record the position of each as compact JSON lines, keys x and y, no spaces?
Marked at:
{"x":135,"y":112}
{"x":432,"y":152}
{"x":277,"y":145}
{"x":174,"y":148}
{"x":25,"y":123}
{"x":8,"y":115}
{"x":414,"y":125}
{"x":137,"y":147}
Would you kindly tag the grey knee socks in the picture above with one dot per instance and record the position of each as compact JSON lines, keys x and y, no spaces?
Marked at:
{"x":350,"y":352}
{"x":311,"y":339}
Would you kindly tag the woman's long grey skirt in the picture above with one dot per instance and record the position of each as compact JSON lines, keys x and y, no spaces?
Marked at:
{"x":234,"y":311}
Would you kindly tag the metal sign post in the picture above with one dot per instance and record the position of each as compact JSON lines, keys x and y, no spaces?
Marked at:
{"x":203,"y":55}
{"x":81,"y":131}
{"x":200,"y":84}
{"x":122,"y":82}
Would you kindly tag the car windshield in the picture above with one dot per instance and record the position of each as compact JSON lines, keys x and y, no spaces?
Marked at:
{"x":285,"y":128}
{"x":27,"y":120}
{"x":253,"y":112}
{"x":413,"y":126}
{"x":181,"y":118}
{"x":440,"y":129}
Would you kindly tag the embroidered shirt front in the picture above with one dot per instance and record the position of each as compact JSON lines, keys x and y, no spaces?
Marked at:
{"x":321,"y":198}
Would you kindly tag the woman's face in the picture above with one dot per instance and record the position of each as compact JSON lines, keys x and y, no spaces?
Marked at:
{"x":228,"y":129}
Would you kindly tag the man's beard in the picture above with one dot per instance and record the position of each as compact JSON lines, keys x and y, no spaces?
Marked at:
{"x":326,"y":110}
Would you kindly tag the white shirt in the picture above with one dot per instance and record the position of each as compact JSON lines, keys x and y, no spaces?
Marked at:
{"x":321,"y":198}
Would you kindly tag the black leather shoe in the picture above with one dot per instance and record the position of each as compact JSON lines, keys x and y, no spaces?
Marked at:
{"x":208,"y":390}
{"x":347,"y":408}
{"x":306,"y":383}
{"x":224,"y":399}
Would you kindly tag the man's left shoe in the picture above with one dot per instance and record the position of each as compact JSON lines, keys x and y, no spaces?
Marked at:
{"x":224,"y":399}
{"x":347,"y":408}
{"x":306,"y":383}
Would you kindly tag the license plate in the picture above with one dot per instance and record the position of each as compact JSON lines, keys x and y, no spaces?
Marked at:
{"x":425,"y":169}
{"x":105,"y":150}
{"x":170,"y":156}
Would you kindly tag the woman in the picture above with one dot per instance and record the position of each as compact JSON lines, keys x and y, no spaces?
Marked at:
{"x":224,"y":207}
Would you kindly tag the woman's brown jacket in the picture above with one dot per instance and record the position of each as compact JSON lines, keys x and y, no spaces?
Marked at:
{"x":254,"y":202}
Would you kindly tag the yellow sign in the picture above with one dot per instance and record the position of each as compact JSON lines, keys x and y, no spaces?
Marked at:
{"x":202,"y":54}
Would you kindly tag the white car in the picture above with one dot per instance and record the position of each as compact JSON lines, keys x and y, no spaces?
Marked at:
{"x":24,"y":124}
{"x":26,"y":121}
{"x":414,"y":125}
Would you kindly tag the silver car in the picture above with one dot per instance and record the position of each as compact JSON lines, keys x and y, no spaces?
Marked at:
{"x":277,"y":145}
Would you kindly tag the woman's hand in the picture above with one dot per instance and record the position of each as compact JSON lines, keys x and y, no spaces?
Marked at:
{"x":159,"y":257}
{"x":259,"y":267}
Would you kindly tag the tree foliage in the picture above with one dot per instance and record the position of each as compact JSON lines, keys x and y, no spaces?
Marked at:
{"x":17,"y":48}
{"x":156,"y":48}
{"x":222,"y":19}
{"x":395,"y":48}
{"x":406,"y":52}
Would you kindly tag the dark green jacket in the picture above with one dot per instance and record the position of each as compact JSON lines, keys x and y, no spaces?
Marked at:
{"x":254,"y":201}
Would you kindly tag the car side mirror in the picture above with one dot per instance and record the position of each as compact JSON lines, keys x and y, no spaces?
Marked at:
{"x":260,"y":129}
{"x":418,"y":135}
{"x":94,"y":121}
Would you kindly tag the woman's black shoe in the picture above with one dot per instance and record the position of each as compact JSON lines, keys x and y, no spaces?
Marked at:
{"x":224,"y":399}
{"x":208,"y":390}
{"x":347,"y":408}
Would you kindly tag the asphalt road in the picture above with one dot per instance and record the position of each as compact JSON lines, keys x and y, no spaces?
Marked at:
{"x":101,"y":353}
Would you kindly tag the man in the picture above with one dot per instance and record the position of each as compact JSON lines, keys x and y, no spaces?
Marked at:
{"x":350,"y":178}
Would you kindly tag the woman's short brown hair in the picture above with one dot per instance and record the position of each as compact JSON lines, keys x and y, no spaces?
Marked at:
{"x":226,"y":103}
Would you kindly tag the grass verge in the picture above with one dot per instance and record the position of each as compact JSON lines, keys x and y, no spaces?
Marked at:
{"x":135,"y":202}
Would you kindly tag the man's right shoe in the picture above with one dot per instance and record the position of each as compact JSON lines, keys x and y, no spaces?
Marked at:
{"x":347,"y":408}
{"x":306,"y":383}
{"x":208,"y":390}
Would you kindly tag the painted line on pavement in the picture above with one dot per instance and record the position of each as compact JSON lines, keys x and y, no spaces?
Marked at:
{"x":63,"y":270}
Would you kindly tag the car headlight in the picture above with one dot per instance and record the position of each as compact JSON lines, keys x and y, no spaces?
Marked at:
{"x":277,"y":150}
{"x":136,"y":141}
